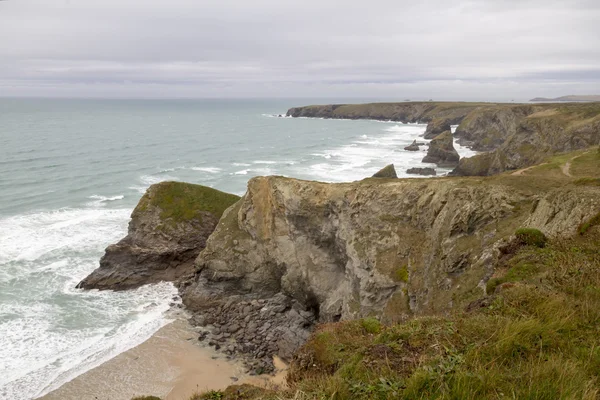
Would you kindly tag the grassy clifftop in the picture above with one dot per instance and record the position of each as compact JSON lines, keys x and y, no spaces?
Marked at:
{"x":179,"y":201}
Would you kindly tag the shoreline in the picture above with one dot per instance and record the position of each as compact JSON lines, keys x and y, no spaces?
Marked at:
{"x":171,"y":364}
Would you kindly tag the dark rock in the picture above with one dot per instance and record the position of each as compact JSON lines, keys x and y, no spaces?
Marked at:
{"x":436,"y":127}
{"x":161,"y":244}
{"x":412,"y":147}
{"x":421,"y":171}
{"x":386,"y":172}
{"x":442,"y":152}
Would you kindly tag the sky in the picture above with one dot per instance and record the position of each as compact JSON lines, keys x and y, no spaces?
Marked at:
{"x":386,"y":49}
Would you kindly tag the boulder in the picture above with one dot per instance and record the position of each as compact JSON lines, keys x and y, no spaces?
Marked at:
{"x":421,"y":171}
{"x":442,"y":152}
{"x":414,"y":146}
{"x":435,"y":127}
{"x":386,"y":172}
{"x":168,"y":229}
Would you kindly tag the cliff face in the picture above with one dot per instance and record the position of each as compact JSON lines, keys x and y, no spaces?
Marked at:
{"x":514,"y":136}
{"x":168,"y":229}
{"x":525,"y":135}
{"x":389,"y":248}
{"x":444,"y":113}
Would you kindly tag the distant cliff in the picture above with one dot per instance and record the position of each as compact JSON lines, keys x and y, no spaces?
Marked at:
{"x":569,"y":98}
{"x":512,"y":135}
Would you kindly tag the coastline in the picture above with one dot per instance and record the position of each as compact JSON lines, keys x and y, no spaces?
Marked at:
{"x":171,"y":365}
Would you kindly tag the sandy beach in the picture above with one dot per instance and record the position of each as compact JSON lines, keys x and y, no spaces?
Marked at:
{"x":171,"y":365}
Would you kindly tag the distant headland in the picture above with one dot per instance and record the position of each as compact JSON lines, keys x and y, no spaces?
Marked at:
{"x":569,"y":98}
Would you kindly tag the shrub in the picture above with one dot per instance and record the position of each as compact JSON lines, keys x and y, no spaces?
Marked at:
{"x":531,"y":237}
{"x":371,"y":325}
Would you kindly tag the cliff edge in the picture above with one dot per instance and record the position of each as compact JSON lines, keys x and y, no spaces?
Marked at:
{"x":168,"y":229}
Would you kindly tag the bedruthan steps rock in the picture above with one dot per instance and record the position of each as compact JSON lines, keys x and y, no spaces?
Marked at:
{"x":512,"y":136}
{"x":386,"y":172}
{"x":168,"y":228}
{"x":441,"y":151}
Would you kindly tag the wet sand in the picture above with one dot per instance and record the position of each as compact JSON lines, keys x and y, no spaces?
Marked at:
{"x":171,"y":365}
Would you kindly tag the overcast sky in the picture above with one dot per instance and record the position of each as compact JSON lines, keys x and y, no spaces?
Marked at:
{"x":441,"y":49}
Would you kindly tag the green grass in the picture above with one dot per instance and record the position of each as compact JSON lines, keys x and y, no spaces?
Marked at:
{"x":539,"y":338}
{"x":180,"y":201}
{"x":584,"y":227}
{"x":531,"y":237}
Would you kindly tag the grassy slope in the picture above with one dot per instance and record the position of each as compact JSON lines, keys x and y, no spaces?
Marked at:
{"x":536,"y":336}
{"x":179,"y":201}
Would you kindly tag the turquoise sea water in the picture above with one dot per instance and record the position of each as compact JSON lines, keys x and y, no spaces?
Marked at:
{"x":71,"y":171}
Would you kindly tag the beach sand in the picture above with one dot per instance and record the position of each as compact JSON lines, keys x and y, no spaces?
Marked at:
{"x":171,"y":365}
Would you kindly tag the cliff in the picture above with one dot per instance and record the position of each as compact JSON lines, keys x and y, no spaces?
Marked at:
{"x":391,"y":248}
{"x":409,"y":112}
{"x":168,"y":229}
{"x":512,"y":136}
{"x":519,"y":136}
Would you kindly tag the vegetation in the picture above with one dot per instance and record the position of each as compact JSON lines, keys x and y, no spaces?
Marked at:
{"x":531,"y":237}
{"x":180,"y":201}
{"x":537,"y":338}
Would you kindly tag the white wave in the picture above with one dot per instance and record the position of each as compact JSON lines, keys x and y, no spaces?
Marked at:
{"x":264,"y":162}
{"x":242,"y":172}
{"x":99,"y":201}
{"x":211,"y":170}
{"x":235,"y":164}
{"x":153,"y":179}
{"x":30,"y":236}
{"x":51,"y":332}
{"x":367,"y":154}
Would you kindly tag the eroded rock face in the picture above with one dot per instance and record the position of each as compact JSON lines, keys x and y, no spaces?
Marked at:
{"x":522,"y":136}
{"x":168,"y":228}
{"x":436,"y":127}
{"x":442,"y":152}
{"x":390,"y":249}
{"x":386,"y":172}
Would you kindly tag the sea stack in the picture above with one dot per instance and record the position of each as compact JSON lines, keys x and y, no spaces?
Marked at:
{"x":168,"y":229}
{"x":442,"y":152}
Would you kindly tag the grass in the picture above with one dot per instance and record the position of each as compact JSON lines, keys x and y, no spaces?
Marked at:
{"x":181,"y":202}
{"x":531,"y":237}
{"x":537,"y":338}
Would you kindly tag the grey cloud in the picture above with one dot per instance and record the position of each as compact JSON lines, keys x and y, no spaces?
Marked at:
{"x":267,"y":48}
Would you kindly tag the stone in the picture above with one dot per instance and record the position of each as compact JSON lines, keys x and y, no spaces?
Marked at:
{"x":161,"y":244}
{"x":386,"y":172}
{"x":436,"y":127}
{"x":421,"y":171}
{"x":442,"y":152}
{"x":412,"y":147}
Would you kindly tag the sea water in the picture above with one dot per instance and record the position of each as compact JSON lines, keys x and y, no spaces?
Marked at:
{"x":71,"y":172}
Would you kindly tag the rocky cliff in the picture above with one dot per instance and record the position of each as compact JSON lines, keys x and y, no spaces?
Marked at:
{"x":168,"y":229}
{"x":520,"y":136}
{"x":387,"y":248}
{"x":513,"y":136}
{"x":443,"y":113}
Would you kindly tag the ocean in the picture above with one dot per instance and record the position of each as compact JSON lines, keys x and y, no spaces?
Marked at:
{"x":71,"y":172}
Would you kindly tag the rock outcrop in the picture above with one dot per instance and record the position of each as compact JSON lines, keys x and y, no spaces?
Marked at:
{"x":515,"y":136}
{"x":421,"y":171}
{"x":386,"y":172}
{"x":441,"y":151}
{"x":168,"y":229}
{"x":414,"y":146}
{"x":390,"y":249}
{"x":436,"y":127}
{"x":451,"y":112}
{"x":521,"y":136}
